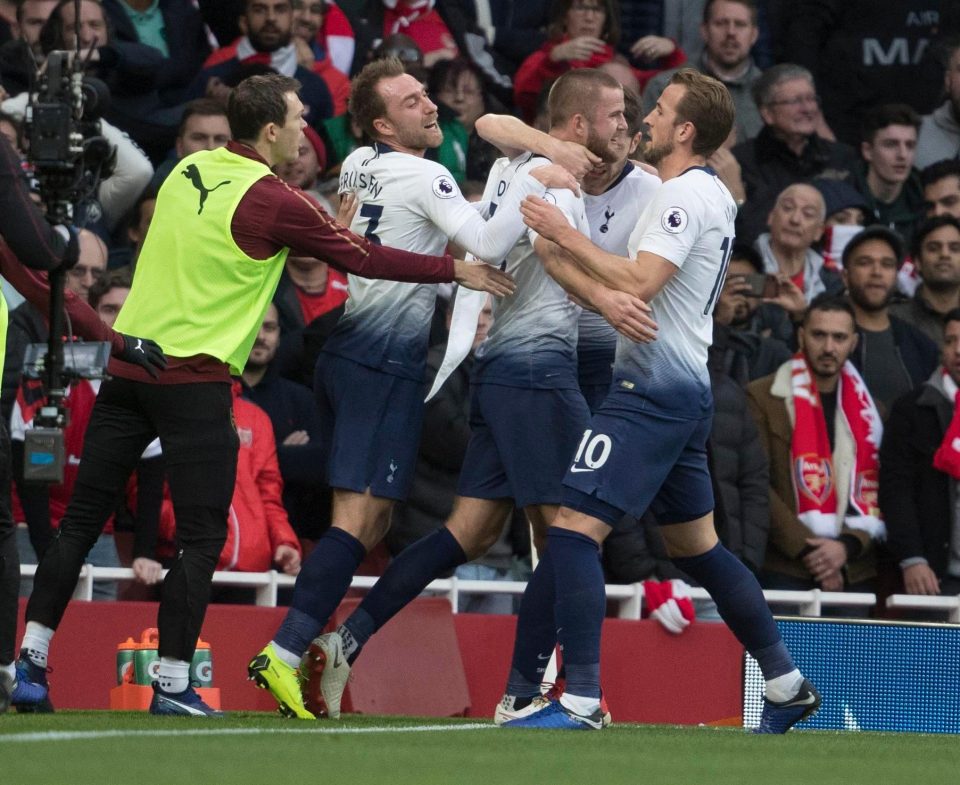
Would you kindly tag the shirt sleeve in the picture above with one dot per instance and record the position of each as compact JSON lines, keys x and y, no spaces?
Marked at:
{"x":273,"y":215}
{"x":673,"y":223}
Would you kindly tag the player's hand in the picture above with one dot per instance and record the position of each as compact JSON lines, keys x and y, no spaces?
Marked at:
{"x":543,"y":217}
{"x":652,"y":47}
{"x":577,"y":49}
{"x":828,"y":556}
{"x":348,"y":208}
{"x":483,"y":277}
{"x":143,"y":352}
{"x":790,"y":297}
{"x":920,"y":579}
{"x":296,"y":439}
{"x":555,"y":176}
{"x":288,"y":559}
{"x":628,"y":315}
{"x":573,"y":157}
{"x":147,"y":571}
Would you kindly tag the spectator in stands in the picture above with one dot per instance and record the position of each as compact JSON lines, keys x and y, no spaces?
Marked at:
{"x":310,"y":298}
{"x":864,"y":53}
{"x":729,"y":31}
{"x":419,"y":20}
{"x":919,"y":470}
{"x":32,"y":15}
{"x":584,"y":34}
{"x":140,"y":219}
{"x":940,"y":131}
{"x":751,"y":338}
{"x":458,"y":84}
{"x":846,"y":211}
{"x":29,"y":325}
{"x":174,"y":28}
{"x":787,"y":149}
{"x":941,"y":188}
{"x":267,"y":27}
{"x":296,"y":429}
{"x":312,"y":54}
{"x":132,"y":70}
{"x":304,"y":171}
{"x":796,"y":226}
{"x":821,"y":432}
{"x":203,"y":126}
{"x":936,"y":253}
{"x":892,"y":356}
{"x":19,"y":55}
{"x":887,"y":178}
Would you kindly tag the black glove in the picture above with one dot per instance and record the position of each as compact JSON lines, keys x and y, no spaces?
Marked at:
{"x":143,"y":352}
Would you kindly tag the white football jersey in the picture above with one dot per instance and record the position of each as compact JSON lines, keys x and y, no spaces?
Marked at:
{"x":689,"y":223}
{"x":613,"y":216}
{"x":411,"y":203}
{"x":533,"y":340}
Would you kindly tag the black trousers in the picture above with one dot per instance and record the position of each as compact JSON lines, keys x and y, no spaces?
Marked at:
{"x":199,"y":441}
{"x":9,"y":557}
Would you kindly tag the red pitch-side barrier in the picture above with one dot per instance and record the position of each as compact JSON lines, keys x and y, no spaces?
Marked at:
{"x":426,"y":662}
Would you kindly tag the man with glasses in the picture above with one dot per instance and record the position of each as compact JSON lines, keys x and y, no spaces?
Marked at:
{"x":788,"y":148}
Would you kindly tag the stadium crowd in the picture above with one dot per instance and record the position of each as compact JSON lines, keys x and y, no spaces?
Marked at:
{"x":844,"y":162}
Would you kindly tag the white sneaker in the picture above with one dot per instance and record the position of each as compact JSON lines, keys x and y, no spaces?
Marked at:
{"x":326,"y":673}
{"x":506,"y":710}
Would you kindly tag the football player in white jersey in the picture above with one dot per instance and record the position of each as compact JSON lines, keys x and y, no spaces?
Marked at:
{"x":527,"y":413}
{"x":646,"y":444}
{"x":369,"y":377}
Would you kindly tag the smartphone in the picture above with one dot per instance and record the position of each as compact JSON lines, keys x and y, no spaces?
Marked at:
{"x":762,"y":285}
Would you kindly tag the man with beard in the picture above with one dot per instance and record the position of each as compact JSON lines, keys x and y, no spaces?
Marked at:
{"x":526,"y":410}
{"x":940,"y":133}
{"x":369,"y":378}
{"x":645,"y":447}
{"x":822,"y":432}
{"x":267,"y":27}
{"x":893,"y":356}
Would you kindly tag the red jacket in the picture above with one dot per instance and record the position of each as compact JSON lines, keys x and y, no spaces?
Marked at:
{"x":257,"y":522}
{"x":538,"y":69}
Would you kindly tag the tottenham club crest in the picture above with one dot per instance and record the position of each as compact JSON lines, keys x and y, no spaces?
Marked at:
{"x":673,"y":220}
{"x":444,"y":187}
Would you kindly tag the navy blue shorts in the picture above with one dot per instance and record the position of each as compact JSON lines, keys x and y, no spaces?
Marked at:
{"x":629,"y":460}
{"x":521,"y":441}
{"x":371,"y":423}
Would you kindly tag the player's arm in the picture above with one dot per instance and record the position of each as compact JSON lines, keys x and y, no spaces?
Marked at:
{"x":643,"y":278}
{"x":513,"y":136}
{"x":629,"y":315}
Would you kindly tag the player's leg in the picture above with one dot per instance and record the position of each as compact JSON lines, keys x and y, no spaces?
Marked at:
{"x":473,"y":527}
{"x":200,"y":444}
{"x":9,"y":578}
{"x":115,"y":439}
{"x":694,"y":548}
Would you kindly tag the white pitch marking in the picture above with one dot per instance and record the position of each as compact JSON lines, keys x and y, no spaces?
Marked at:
{"x":85,"y":735}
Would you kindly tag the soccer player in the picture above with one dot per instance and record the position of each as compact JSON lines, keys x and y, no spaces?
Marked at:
{"x":527,"y":412}
{"x":369,"y":379}
{"x":646,"y":445}
{"x":224,"y":224}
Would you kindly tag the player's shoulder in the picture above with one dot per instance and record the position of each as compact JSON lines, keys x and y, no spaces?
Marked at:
{"x":699,"y":191}
{"x":358,"y":157}
{"x":527,"y":161}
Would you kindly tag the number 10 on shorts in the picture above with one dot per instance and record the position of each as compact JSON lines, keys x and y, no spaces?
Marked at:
{"x":594,"y":450}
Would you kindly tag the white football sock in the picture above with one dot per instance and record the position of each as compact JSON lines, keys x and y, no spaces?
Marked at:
{"x":579,"y":704}
{"x":174,"y":675}
{"x":10,"y":669}
{"x":36,"y":640}
{"x":287,"y":656}
{"x":785,"y":687}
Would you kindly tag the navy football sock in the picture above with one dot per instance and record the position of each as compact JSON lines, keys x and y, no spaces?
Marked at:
{"x":536,"y":631}
{"x":403,"y":581}
{"x":321,"y":584}
{"x":740,"y":602}
{"x":580,"y":606}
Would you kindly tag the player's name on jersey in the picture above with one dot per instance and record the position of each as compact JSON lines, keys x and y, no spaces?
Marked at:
{"x":355,"y":181}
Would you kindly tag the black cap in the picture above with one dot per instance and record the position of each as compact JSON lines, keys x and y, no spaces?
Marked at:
{"x":875,"y":232}
{"x":838,"y":195}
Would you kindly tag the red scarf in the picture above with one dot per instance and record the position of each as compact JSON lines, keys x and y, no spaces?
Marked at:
{"x":813,"y":470}
{"x":947,"y":458}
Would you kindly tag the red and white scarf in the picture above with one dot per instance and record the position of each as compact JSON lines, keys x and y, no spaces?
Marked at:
{"x":813,"y":469}
{"x":947,"y":457}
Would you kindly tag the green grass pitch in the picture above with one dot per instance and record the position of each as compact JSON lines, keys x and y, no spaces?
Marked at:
{"x":136,"y":749}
